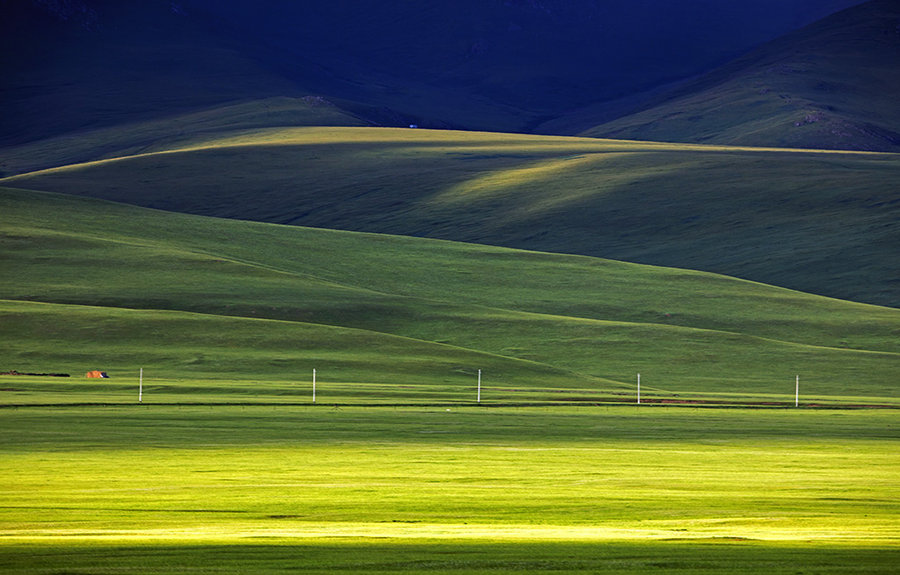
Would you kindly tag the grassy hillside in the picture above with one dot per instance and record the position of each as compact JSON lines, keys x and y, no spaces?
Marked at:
{"x":228,"y":318}
{"x":830,"y":85}
{"x":819,"y":222}
{"x":172,"y":130}
{"x":107,"y":286}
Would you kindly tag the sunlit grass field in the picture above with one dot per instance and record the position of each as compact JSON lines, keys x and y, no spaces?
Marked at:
{"x":225,"y":463}
{"x":623,"y":489}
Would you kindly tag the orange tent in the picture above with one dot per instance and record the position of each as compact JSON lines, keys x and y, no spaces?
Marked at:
{"x":96,"y":374}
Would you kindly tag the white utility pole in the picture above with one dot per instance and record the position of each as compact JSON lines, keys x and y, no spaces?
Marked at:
{"x":141,"y":387}
{"x":639,"y":388}
{"x":479,"y":386}
{"x":797,"y":393}
{"x":314,"y":385}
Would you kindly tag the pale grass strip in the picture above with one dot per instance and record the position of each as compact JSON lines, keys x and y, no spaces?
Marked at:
{"x":756,"y":529}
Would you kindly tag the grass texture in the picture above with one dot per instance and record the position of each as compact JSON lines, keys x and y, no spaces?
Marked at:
{"x":169,"y":489}
{"x":117,"y":288}
{"x":227,"y":465}
{"x":818,"y":222}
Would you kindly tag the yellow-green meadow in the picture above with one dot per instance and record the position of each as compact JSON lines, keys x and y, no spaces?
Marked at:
{"x":232,"y":489}
{"x":206,"y":452}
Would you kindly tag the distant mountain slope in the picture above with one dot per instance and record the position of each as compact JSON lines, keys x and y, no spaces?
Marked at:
{"x":114,"y":64}
{"x":172,"y":130}
{"x":473,"y":64}
{"x":820,"y":222}
{"x":202,"y":297}
{"x":831,"y":85}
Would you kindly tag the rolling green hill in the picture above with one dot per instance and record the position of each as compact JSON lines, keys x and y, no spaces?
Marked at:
{"x":172,"y":130}
{"x":92,"y":285}
{"x":815,"y":221}
{"x":830,"y":85}
{"x":175,"y":212}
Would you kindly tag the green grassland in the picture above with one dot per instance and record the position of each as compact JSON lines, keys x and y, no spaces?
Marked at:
{"x":95,"y":285}
{"x":809,"y":220}
{"x":238,"y":489}
{"x":227,"y":463}
{"x":228,"y":466}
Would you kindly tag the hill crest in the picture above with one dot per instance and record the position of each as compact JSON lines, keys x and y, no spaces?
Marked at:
{"x":831,"y":85}
{"x":821,"y":222}
{"x":497,"y":65}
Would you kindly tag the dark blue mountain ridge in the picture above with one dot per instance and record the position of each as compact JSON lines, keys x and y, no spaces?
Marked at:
{"x":829,"y":85}
{"x":503,"y":65}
